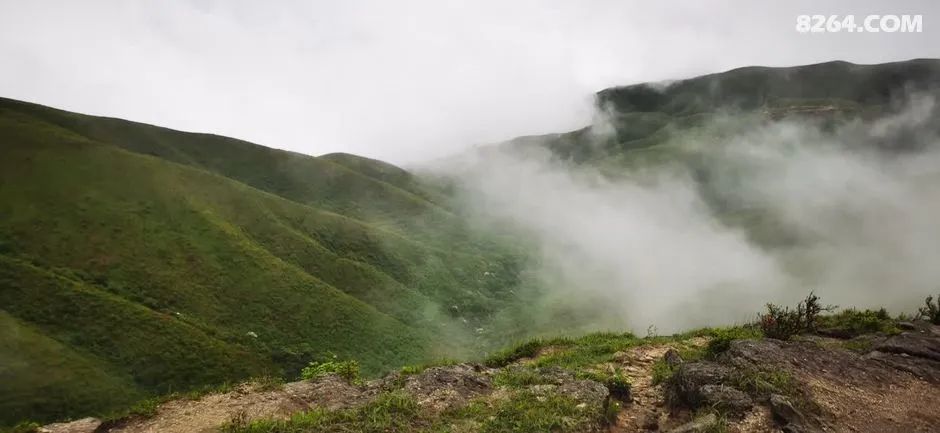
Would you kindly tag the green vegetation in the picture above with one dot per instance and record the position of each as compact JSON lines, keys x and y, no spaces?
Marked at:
{"x":388,"y":412}
{"x":348,"y":369}
{"x":765,"y":382}
{"x":616,"y":381}
{"x":518,"y":377}
{"x":525,"y":349}
{"x":524,"y":411}
{"x":721,"y":338}
{"x":782,"y":323}
{"x":850,"y":322}
{"x":418,"y":368}
{"x":931,"y":310}
{"x":137,"y":261}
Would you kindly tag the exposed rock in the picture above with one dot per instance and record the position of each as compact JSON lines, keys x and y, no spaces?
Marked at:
{"x":701,"y":424}
{"x":84,"y":425}
{"x":585,"y":391}
{"x":783,"y":412}
{"x":672,"y":358}
{"x":555,"y":375}
{"x":923,"y":368}
{"x":651,"y":421}
{"x":442,"y":388}
{"x":918,"y":344}
{"x":725,"y":397}
{"x":689,"y":379}
{"x":330,"y":391}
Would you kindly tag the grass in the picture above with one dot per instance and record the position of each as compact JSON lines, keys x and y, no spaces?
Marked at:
{"x":146,"y":262}
{"x":388,"y":412}
{"x":765,"y":382}
{"x":616,"y":381}
{"x":525,"y":349}
{"x":418,"y":368}
{"x":347,"y":369}
{"x":518,"y":377}
{"x":850,"y":323}
{"x":523,"y":412}
{"x":137,"y":261}
{"x":721,"y":338}
{"x":527,"y":412}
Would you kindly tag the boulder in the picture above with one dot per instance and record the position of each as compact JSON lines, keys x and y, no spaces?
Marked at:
{"x":917,"y":344}
{"x":701,"y":424}
{"x":84,"y":425}
{"x":585,"y":391}
{"x":686,"y":384}
{"x":783,"y":411}
{"x":672,"y":358}
{"x":442,"y":388}
{"x":724,"y":397}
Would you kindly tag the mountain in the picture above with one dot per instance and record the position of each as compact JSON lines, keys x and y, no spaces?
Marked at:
{"x":137,"y":261}
{"x":645,"y":117}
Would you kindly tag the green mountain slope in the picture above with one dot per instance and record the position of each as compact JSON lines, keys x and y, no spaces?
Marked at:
{"x":647,"y":119}
{"x":137,"y":260}
{"x":166,"y":276}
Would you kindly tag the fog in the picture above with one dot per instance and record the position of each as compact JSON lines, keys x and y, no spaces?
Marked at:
{"x":850,"y":214}
{"x":405,"y":81}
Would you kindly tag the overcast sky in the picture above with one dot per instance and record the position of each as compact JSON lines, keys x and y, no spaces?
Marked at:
{"x":403,"y":81}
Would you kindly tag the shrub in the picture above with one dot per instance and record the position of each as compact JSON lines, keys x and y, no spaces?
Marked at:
{"x":931,"y":310}
{"x":722,"y":338}
{"x":782,"y":323}
{"x":662,"y":371}
{"x":348,"y":370}
{"x":850,"y":323}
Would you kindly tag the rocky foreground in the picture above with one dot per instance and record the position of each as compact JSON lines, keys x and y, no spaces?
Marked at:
{"x":697,"y":382}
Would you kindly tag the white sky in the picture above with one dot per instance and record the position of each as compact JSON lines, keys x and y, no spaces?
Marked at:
{"x":403,"y":81}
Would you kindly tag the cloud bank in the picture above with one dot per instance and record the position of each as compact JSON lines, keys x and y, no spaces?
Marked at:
{"x":764,"y":214}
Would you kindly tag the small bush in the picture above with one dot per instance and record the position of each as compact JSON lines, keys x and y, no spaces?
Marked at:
{"x":722,"y":338}
{"x":931,"y":310}
{"x":851,"y":323}
{"x":782,"y":323}
{"x":348,"y":370}
{"x":662,"y":372}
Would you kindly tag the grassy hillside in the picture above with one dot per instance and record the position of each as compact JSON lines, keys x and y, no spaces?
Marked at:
{"x":647,"y":118}
{"x":157,"y":276}
{"x":137,"y":260}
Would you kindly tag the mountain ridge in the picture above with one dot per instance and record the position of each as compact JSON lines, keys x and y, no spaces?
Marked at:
{"x":225,"y":259}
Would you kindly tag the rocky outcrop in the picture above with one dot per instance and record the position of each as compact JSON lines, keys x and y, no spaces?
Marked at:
{"x":442,"y":388}
{"x":701,"y":424}
{"x":84,"y":425}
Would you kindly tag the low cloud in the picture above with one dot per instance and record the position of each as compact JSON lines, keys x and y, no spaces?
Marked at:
{"x":764,"y":214}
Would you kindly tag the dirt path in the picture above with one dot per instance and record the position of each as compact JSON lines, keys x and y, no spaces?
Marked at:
{"x":207,"y":413}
